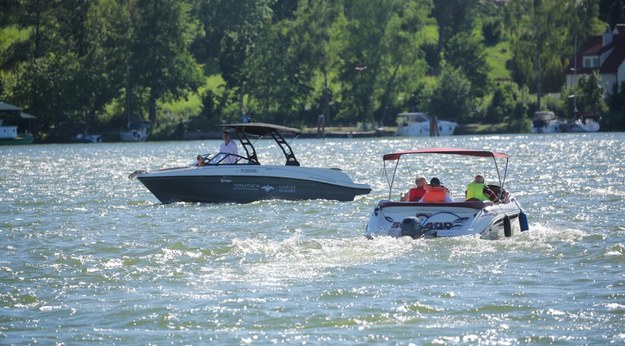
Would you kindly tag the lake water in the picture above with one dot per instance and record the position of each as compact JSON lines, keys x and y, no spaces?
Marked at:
{"x":88,"y":256}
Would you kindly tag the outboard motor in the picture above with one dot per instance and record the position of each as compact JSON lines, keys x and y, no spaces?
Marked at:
{"x":411,"y":227}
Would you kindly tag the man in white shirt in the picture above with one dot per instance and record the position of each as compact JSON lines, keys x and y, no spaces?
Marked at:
{"x":229,"y":147}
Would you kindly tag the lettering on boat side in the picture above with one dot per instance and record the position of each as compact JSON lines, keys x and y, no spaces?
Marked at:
{"x":246,"y":187}
{"x":439,"y":225}
{"x":456,"y":222}
{"x":280,"y":188}
{"x":249,"y":170}
{"x":286,"y":188}
{"x":225,"y":180}
{"x":435,"y":224}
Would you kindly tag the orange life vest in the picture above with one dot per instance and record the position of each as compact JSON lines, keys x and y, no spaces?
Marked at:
{"x":435,"y":194}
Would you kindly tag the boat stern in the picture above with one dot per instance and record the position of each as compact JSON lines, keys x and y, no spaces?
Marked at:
{"x":428,"y":220}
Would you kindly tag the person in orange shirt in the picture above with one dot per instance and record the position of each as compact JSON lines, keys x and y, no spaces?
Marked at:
{"x":436,"y":193}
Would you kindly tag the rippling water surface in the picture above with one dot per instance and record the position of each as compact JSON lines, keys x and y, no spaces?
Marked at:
{"x":89,"y":256}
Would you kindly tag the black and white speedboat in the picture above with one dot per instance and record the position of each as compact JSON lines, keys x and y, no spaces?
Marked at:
{"x":216,"y":180}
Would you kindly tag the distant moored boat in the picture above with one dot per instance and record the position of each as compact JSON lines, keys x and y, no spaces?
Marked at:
{"x":421,"y":124}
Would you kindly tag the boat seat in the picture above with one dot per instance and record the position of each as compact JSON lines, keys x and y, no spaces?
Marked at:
{"x":497,"y":194}
{"x":465,"y":204}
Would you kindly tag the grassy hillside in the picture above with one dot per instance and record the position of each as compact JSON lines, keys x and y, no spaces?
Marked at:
{"x":497,"y":57}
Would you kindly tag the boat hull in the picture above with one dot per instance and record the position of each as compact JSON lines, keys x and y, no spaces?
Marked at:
{"x":248,"y":183}
{"x":545,"y":122}
{"x":587,"y":125}
{"x":445,"y":128}
{"x":428,"y":220}
{"x":133,"y":136}
{"x":549,"y":127}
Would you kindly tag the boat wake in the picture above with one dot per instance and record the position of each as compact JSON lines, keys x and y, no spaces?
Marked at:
{"x":298,"y":258}
{"x":549,"y":233}
{"x":271,"y":261}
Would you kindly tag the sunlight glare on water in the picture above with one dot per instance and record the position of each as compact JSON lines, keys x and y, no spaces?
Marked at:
{"x":90,"y":256}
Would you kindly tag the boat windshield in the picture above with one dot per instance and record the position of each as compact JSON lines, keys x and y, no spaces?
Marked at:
{"x":217,"y":158}
{"x":406,"y":118}
{"x":226,"y":159}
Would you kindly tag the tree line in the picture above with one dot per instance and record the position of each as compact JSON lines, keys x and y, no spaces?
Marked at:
{"x":96,"y":64}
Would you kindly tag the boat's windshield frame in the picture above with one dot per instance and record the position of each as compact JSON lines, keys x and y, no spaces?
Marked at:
{"x":261,"y":130}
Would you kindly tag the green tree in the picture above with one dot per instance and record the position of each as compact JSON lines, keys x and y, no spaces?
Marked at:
{"x":160,"y":64}
{"x":590,"y":97}
{"x":283,"y":66}
{"x":536,"y":29}
{"x":503,"y":104}
{"x":452,"y":17}
{"x":378,"y":53}
{"x":238,"y":25}
{"x":452,"y":98}
{"x":612,"y":11}
{"x":542,"y":34}
{"x":360,"y":52}
{"x":315,"y":29}
{"x":57,"y":77}
{"x":27,"y":81}
{"x":405,"y":64}
{"x":490,"y":16}
{"x":276,"y":79}
{"x":102,"y":57}
{"x":466,"y":52}
{"x":419,"y":99}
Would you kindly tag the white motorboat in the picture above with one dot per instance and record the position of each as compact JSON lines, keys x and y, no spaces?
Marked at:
{"x":585,"y":122}
{"x":545,"y":122}
{"x":135,"y":132}
{"x":421,"y":124}
{"x":88,"y":138}
{"x":492,"y":219}
{"x":247,"y":180}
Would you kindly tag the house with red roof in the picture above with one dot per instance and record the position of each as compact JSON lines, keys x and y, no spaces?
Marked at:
{"x":603,"y":53}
